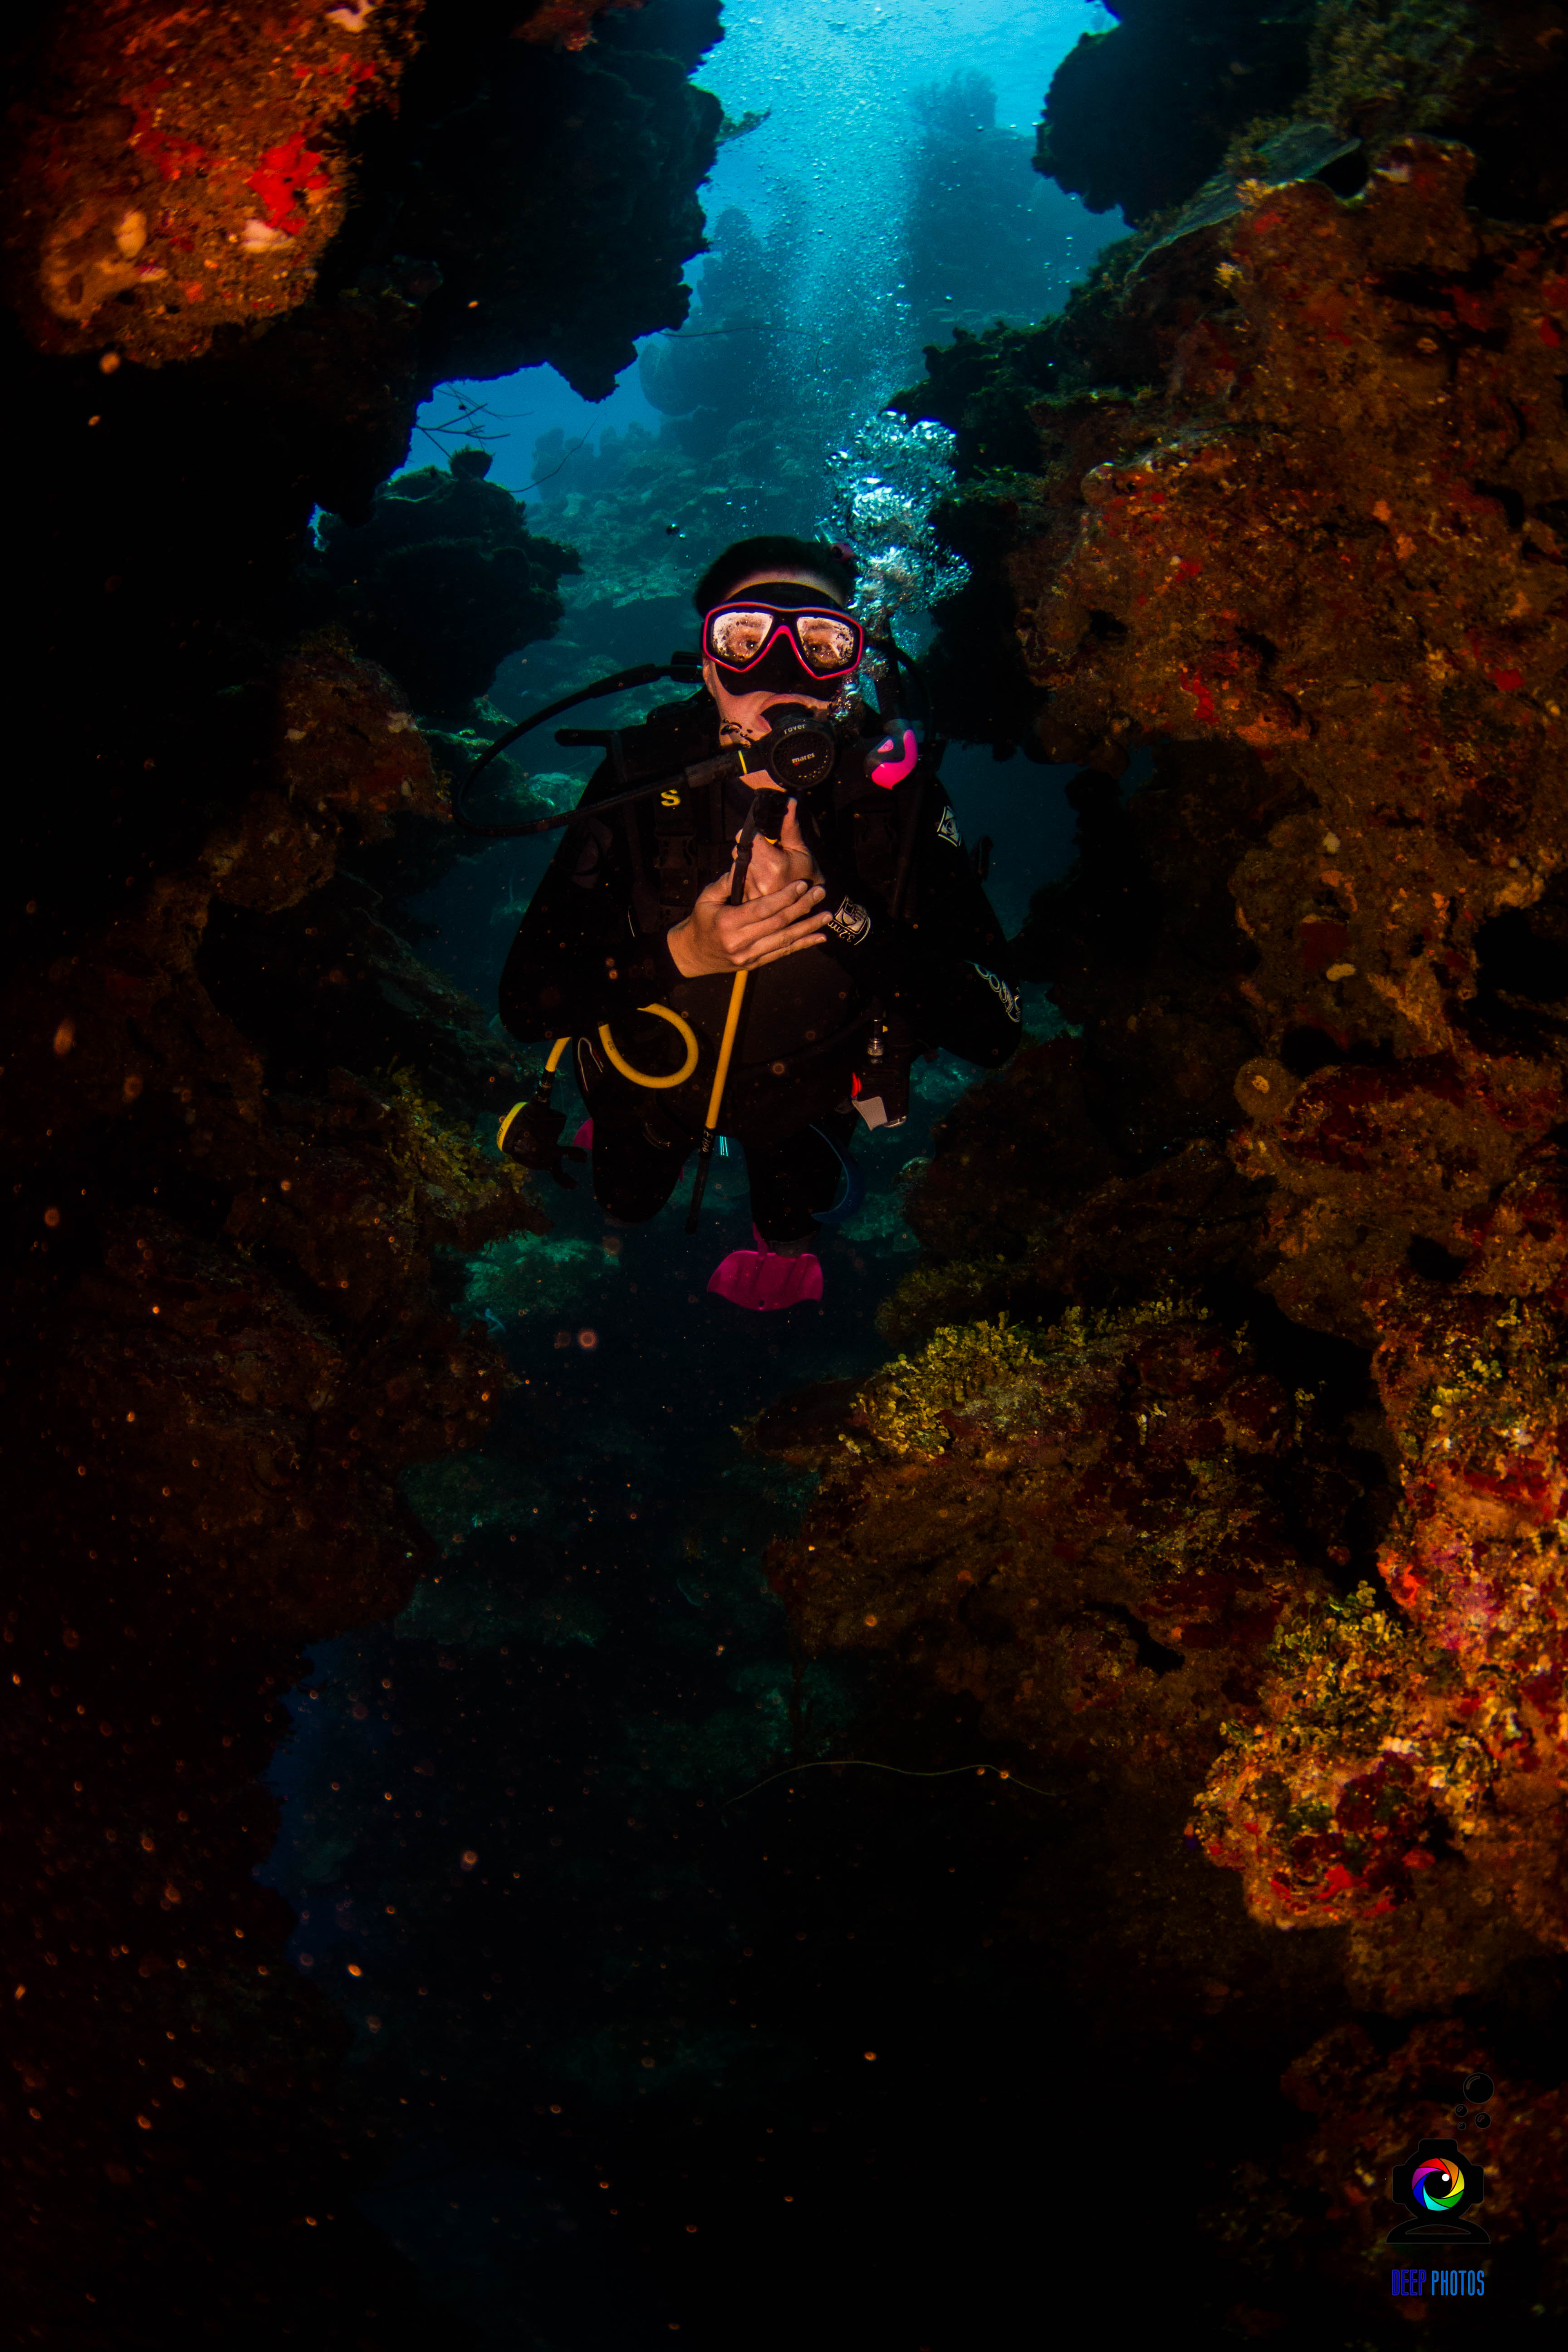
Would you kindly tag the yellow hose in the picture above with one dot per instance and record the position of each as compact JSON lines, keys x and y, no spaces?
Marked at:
{"x":541,"y":1095}
{"x":676,"y":1078}
{"x":726,"y":1047}
{"x":639,"y":1078}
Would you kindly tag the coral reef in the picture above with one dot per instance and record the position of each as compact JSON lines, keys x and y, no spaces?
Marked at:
{"x":187,"y":169}
{"x":1211,"y":85}
{"x":1403,"y":1118}
{"x":247,"y":1127}
{"x":1448,"y":1721}
{"x":1488,"y":71}
{"x":1218,"y":1490}
{"x":443,"y":580}
{"x":1264,"y":531}
{"x":226,"y":1349}
{"x":187,"y":173}
{"x":1094,"y":1531}
{"x":1137,"y":117}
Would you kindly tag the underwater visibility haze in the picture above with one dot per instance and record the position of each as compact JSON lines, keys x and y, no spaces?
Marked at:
{"x":755,"y":1645}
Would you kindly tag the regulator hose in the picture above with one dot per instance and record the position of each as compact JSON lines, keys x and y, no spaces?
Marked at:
{"x":641,"y":1077}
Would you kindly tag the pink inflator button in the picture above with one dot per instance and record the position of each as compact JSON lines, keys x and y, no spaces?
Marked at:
{"x":890,"y":769}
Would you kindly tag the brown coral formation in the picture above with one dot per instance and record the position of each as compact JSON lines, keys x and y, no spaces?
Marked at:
{"x":224,"y":1370}
{"x":1333,"y":540}
{"x":1450,"y":1720}
{"x":1094,"y":1532}
{"x":186,"y":169}
{"x":242,"y":1119}
{"x":1294,"y":522}
{"x":1382,"y":618}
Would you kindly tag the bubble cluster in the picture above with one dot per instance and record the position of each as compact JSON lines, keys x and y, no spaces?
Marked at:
{"x":886,"y":485}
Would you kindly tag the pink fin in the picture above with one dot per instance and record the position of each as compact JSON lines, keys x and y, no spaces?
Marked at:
{"x":764,"y":1280}
{"x":890,"y":771}
{"x":584,"y":1135}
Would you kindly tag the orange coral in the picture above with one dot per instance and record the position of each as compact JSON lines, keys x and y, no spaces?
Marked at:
{"x":1336,"y":538}
{"x":189,"y":166}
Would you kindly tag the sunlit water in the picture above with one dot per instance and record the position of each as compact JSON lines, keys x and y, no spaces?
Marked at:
{"x":837,"y":85}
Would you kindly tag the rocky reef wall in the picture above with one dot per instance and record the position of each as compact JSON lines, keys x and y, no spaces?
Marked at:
{"x":239,"y":1114}
{"x":1222,"y":1465}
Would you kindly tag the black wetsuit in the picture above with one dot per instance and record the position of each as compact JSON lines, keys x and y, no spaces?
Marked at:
{"x":593,"y":948}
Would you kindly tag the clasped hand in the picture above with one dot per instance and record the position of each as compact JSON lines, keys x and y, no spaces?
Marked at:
{"x":781,"y":911}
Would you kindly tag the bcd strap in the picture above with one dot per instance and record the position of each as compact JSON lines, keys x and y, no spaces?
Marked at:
{"x":877,"y":840}
{"x":882,"y":822}
{"x":675,"y":854}
{"x":689,"y":849}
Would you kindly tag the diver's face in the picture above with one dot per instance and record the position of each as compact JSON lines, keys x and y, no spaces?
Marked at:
{"x":741,"y":716}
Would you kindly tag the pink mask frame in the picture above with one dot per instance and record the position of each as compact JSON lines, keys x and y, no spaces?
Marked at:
{"x":785,"y":617}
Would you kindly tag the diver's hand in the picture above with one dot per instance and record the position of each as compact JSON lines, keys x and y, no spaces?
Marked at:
{"x":792,"y":861}
{"x":717,"y":936}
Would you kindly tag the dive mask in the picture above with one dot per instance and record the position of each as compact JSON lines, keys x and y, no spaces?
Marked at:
{"x":779,"y":633}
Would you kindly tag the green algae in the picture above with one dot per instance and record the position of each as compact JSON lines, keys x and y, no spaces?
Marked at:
{"x":965,"y":1364}
{"x":1393,"y":64}
{"x":458,"y":1495}
{"x":545,"y":1277}
{"x":956,"y":1290}
{"x":1347,"y":1663}
{"x":1351,"y":1685}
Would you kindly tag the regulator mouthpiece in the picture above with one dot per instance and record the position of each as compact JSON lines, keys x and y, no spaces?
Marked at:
{"x":800,"y":748}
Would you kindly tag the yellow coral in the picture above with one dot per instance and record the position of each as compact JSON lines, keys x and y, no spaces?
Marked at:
{"x":903,"y":1406}
{"x":432,"y":1152}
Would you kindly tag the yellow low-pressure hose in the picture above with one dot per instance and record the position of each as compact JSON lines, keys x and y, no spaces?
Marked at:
{"x":541,"y":1093}
{"x":676,"y":1078}
{"x":617,"y":1061}
{"x":726,"y":1047}
{"x":716,"y":1100}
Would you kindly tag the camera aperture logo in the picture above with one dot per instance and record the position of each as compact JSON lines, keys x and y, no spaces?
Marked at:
{"x":1439,"y":2183}
{"x":1439,"y":2188}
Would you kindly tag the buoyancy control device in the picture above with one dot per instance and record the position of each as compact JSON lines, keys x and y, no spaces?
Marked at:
{"x":800,"y":748}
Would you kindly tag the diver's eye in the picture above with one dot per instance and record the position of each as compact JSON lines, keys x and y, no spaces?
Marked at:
{"x":736,"y":636}
{"x":828,"y":645}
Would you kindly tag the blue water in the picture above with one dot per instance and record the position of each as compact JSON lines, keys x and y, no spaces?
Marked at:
{"x":834,"y":81}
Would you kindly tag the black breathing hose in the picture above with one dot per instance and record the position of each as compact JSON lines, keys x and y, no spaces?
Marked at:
{"x":681,"y":667}
{"x":684,"y":669}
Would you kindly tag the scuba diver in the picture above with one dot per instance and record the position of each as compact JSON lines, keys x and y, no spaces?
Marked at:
{"x":784,"y":930}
